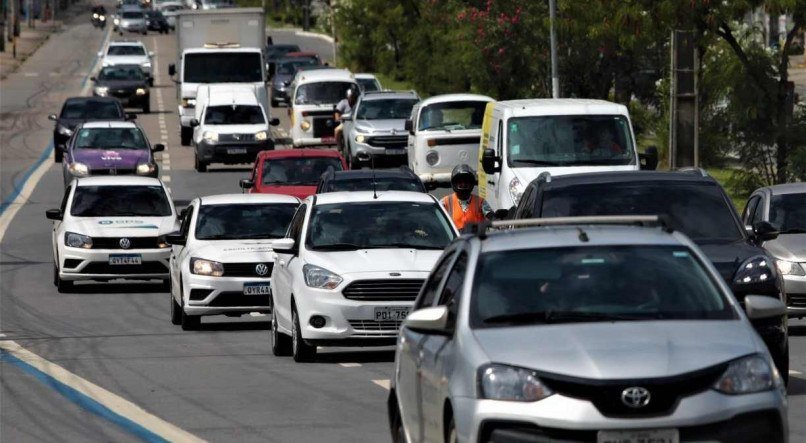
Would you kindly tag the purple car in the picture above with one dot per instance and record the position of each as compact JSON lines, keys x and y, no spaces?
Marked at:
{"x":109,"y":148}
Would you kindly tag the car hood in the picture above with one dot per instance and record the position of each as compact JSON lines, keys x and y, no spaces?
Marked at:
{"x":386,"y":127}
{"x":111,"y":158}
{"x":378,"y":260}
{"x":129,"y":226}
{"x":125,"y":59}
{"x":727,"y":256}
{"x":121,"y":84}
{"x":619,"y":350}
{"x":790,"y":247}
{"x":300,"y":192}
{"x":229,"y":251}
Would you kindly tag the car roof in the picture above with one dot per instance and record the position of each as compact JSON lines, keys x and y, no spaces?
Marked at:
{"x":298,"y":153}
{"x":387,"y":95}
{"x":232,"y":97}
{"x":369,"y":196}
{"x":247,"y":198}
{"x":108,"y":124}
{"x":560,"y":106}
{"x":455,"y":98}
{"x":319,"y":75}
{"x":365,"y":76}
{"x":588,"y":178}
{"x":118,"y":180}
{"x":787,"y":188}
{"x":126,"y":43}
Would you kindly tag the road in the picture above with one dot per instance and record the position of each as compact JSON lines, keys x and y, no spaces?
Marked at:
{"x":219,"y":383}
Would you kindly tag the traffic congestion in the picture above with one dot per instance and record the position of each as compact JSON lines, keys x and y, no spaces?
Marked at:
{"x":236,"y":239}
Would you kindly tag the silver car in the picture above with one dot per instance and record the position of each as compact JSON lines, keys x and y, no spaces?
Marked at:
{"x":784,"y":206}
{"x":376,"y":128}
{"x":131,"y":21}
{"x":583,"y":332}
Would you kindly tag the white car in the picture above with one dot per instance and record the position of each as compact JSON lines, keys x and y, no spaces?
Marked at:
{"x":313,"y":96}
{"x":221,"y":257}
{"x":129,"y":53}
{"x":350,"y":268}
{"x":109,"y":228}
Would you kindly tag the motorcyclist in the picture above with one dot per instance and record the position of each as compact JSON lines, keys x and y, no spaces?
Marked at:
{"x":345,"y":106}
{"x":463,"y":206}
{"x":98,"y":16}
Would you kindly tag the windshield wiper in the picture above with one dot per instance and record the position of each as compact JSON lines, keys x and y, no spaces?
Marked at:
{"x":560,"y":317}
{"x":338,"y":247}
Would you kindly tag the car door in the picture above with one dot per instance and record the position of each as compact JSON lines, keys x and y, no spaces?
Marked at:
{"x":437,"y":353}
{"x":56,"y":233}
{"x":409,"y":351}
{"x":179,"y":253}
{"x":282,"y":275}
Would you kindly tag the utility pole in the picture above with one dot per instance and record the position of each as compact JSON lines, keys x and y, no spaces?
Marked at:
{"x":555,"y":78}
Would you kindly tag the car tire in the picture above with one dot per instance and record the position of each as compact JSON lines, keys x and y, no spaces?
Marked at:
{"x":301,"y":351}
{"x":280,"y":343}
{"x":58,"y":155}
{"x":450,"y":433}
{"x":185,"y":134}
{"x":145,"y":32}
{"x":147,"y":108}
{"x":200,"y":166}
{"x":781,"y":361}
{"x":176,"y":311}
{"x":396,"y":426}
{"x":63,"y":286}
{"x":189,"y":322}
{"x":151,"y":81}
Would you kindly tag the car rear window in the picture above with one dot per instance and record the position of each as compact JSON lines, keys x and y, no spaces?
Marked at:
{"x":299,"y":171}
{"x":120,"y":201}
{"x":127,"y":50}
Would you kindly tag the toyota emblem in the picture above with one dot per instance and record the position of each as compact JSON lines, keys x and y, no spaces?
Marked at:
{"x":125,"y":243}
{"x":635,"y":397}
{"x":261,"y":269}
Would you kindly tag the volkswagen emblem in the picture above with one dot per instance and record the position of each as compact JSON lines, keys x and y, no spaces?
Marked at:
{"x":125,"y":243}
{"x":635,"y":397}
{"x":261,"y":269}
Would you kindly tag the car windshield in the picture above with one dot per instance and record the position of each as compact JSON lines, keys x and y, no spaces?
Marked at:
{"x":244,"y":221}
{"x":376,"y":225}
{"x":698,"y":210}
{"x":127,"y":49}
{"x":234,"y":115}
{"x":120,"y":201}
{"x":368,"y":84}
{"x":322,"y":93}
{"x":298,"y":171}
{"x":132,"y":15}
{"x":381,"y":184}
{"x":788,"y":213}
{"x":121,"y":73}
{"x":110,"y":138}
{"x":594,"y":283}
{"x":569,"y":140}
{"x":389,"y":109}
{"x":233,"y":67}
{"x":91,"y":110}
{"x":452,"y":115}
{"x":290,"y":67}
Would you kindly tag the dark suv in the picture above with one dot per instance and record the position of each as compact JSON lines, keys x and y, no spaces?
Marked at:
{"x":77,"y":110}
{"x":692,"y":203}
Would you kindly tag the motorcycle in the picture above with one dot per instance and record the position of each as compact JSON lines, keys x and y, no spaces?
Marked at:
{"x":98,"y":20}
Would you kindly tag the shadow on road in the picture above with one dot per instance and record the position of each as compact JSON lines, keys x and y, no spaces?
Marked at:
{"x":245,"y":168}
{"x":797,"y":331}
{"x":797,"y":386}
{"x":369,"y":356}
{"x":117,"y":288}
{"x":235,"y":326}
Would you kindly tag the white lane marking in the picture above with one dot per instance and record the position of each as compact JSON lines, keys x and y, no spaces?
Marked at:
{"x":22,"y":197}
{"x":794,"y":372}
{"x":2,"y":335}
{"x":31,"y":74}
{"x":166,"y":178}
{"x":350,"y":365}
{"x":115,"y":403}
{"x":382,"y":383}
{"x":166,"y":167}
{"x":86,"y":89}
{"x":166,"y":156}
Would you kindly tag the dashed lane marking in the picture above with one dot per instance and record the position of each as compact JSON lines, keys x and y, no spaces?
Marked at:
{"x":794,"y":372}
{"x":166,"y":178}
{"x":31,"y":74}
{"x":382,"y":383}
{"x":166,"y":167}
{"x":350,"y":365}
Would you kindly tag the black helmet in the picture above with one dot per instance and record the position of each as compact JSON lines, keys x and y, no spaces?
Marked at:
{"x":460,"y":172}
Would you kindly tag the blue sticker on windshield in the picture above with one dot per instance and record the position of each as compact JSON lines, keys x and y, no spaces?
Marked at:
{"x":680,"y":254}
{"x":592,"y":261}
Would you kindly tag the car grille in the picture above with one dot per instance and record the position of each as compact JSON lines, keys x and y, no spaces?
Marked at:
{"x":797,"y":300}
{"x":135,"y":242}
{"x":111,"y":171}
{"x":233,"y":299}
{"x":320,"y":127}
{"x":375,"y":328}
{"x":123,"y":93}
{"x":383,"y":290}
{"x":606,"y":394}
{"x":246,"y":269}
{"x":228,"y":138}
{"x":148,"y":267}
{"x":389,"y":141}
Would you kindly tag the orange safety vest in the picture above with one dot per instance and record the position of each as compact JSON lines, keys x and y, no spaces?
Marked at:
{"x":474,"y":213}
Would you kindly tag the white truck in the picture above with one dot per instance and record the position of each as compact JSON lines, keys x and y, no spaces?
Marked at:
{"x":217,"y":46}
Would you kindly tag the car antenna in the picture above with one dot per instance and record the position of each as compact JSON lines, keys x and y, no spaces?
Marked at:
{"x":374,"y":182}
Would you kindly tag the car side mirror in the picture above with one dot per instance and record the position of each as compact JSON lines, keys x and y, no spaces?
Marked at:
{"x":649,"y":159}
{"x":151,"y":54}
{"x":54,"y":214}
{"x":131,"y":116}
{"x":247,"y":183}
{"x":489,"y":160}
{"x":274,"y":122}
{"x":53,"y":117}
{"x":175,"y":238}
{"x":194,"y":122}
{"x":172,"y":69}
{"x":159,"y":147}
{"x":759,"y":307}
{"x":764,"y":231}
{"x":93,"y":79}
{"x":409,"y":126}
{"x":429,"y":321}
{"x":284,"y":246}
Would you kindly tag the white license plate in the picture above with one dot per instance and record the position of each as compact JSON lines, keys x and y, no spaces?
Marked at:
{"x":255,"y":289}
{"x":395,"y":151}
{"x":235,"y":151}
{"x":398,"y":314}
{"x":639,"y":436}
{"x":125,"y":259}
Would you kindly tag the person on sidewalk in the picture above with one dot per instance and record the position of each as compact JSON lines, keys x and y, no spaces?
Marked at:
{"x":463,"y":206}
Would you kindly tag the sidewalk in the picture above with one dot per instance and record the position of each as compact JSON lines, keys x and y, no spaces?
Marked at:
{"x":28,"y":42}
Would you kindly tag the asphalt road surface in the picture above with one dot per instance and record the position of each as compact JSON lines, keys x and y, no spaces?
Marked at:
{"x":115,"y":342}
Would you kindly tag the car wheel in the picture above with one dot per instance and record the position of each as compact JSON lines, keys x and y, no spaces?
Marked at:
{"x":450,"y":435}
{"x":302,"y":351}
{"x":145,"y":32}
{"x":58,"y":155}
{"x":280,"y":343}
{"x":151,"y":81}
{"x":396,"y":426}
{"x":176,"y":311}
{"x":198,"y":164}
{"x":185,"y":134}
{"x":63,"y":286}
{"x":189,"y":322}
{"x":781,"y":360}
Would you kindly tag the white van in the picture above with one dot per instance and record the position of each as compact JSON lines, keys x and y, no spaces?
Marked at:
{"x":313,"y":98}
{"x":523,"y":138}
{"x":444,"y":131}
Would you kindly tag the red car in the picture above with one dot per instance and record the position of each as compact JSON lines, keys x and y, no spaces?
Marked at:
{"x":294,"y":172}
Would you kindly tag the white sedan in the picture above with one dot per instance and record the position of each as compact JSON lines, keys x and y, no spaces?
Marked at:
{"x":221,"y":258}
{"x":109,"y":228}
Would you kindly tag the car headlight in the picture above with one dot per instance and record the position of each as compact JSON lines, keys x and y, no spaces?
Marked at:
{"x":790,"y":268}
{"x":432,"y":158}
{"x":140,"y":91}
{"x":77,"y":240}
{"x":360,"y":138}
{"x":94,"y":15}
{"x":748,"y":375}
{"x":188,"y":102}
{"x":146,"y":168}
{"x":756,"y":269}
{"x":305,"y":125}
{"x":210,"y":136}
{"x":262,"y":135}
{"x":101,"y":90}
{"x":102,"y":18}
{"x":320,"y":278}
{"x":508,"y":383}
{"x":200,"y":266}
{"x":63,"y":130}
{"x":79,"y":169}
{"x":117,"y":21}
{"x":515,"y":190}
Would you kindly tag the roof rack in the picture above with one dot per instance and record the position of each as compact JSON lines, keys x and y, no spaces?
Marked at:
{"x":693,"y":170}
{"x":480,"y":229}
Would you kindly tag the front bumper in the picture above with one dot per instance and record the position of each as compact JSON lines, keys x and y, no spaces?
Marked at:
{"x":223,"y":295}
{"x":364,"y":152}
{"x":707,"y":416}
{"x":128,"y":98}
{"x":795,"y":290}
{"x":132,"y":27}
{"x":219,"y":153}
{"x":93,"y":264}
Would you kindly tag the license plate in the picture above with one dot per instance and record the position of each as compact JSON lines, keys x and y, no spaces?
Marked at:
{"x":234,"y":151}
{"x":395,"y":151}
{"x":125,"y":259}
{"x":255,"y":288}
{"x":639,"y":436}
{"x":398,"y":314}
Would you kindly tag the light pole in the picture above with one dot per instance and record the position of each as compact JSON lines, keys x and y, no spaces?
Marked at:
{"x":555,"y":78}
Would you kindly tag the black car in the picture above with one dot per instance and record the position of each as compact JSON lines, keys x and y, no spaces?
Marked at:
{"x":276,"y":52}
{"x":691,"y":202}
{"x":77,"y":110}
{"x":126,"y":83}
{"x":155,"y":21}
{"x":403,"y":179}
{"x":286,"y":69}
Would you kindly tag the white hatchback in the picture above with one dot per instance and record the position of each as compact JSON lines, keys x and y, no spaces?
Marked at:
{"x":221,"y":258}
{"x":109,"y":228}
{"x":129,"y":53}
{"x":351,"y":266}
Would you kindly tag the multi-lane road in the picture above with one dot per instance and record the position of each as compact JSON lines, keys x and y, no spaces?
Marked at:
{"x":105,"y":363}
